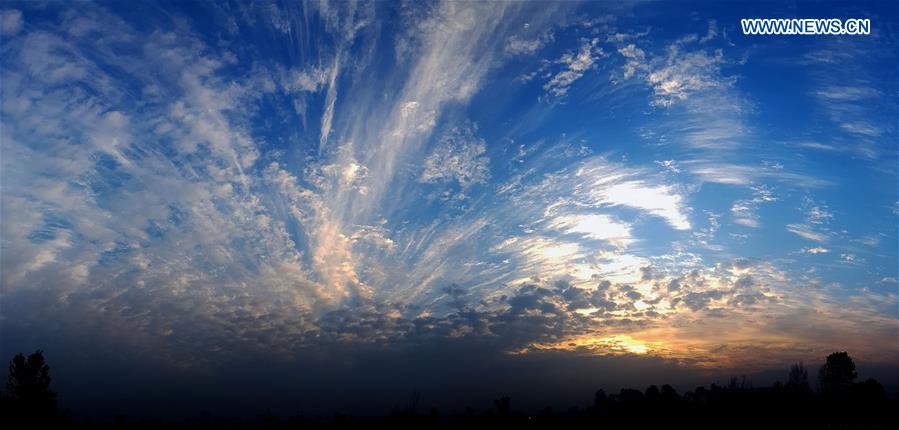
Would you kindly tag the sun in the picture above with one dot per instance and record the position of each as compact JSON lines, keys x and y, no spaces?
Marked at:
{"x":625,"y":343}
{"x":636,"y":348}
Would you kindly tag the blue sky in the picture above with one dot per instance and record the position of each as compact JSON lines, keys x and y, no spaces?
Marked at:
{"x":635,"y":179}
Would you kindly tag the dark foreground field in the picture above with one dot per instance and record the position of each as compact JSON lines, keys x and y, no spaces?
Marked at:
{"x":838,"y":401}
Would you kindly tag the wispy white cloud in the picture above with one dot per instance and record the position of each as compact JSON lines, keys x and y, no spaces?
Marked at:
{"x":711,"y":33}
{"x":679,"y":73}
{"x":669,"y":165}
{"x":870,"y":240}
{"x":736,"y":174}
{"x":806,"y":232}
{"x":816,"y":250}
{"x":685,"y":74}
{"x":459,"y":156}
{"x":635,"y":60}
{"x":519,"y":45}
{"x":330,"y":100}
{"x":659,"y":200}
{"x":594,"y":226}
{"x":814,"y":228}
{"x":456,"y":49}
{"x":849,"y":96}
{"x":574,"y":66}
{"x":10,"y":22}
{"x":745,"y":211}
{"x":599,"y":183}
{"x":704,"y":109}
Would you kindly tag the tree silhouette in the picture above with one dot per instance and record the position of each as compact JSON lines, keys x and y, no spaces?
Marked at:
{"x":601,"y":402}
{"x":837,"y":373}
{"x":414,"y":398}
{"x":503,"y":406}
{"x":798,"y":378}
{"x":29,"y":387}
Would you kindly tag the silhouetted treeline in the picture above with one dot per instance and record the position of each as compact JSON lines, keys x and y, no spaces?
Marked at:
{"x":28,"y":398}
{"x":838,"y":401}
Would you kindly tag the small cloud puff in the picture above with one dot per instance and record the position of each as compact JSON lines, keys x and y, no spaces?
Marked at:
{"x":10,"y":22}
{"x":458,"y":156}
{"x":575,"y":67}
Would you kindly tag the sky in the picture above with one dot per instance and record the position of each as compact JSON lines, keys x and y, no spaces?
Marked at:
{"x":375,"y":197}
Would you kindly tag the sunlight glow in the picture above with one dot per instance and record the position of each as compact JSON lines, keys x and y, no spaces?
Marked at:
{"x":607,"y":345}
